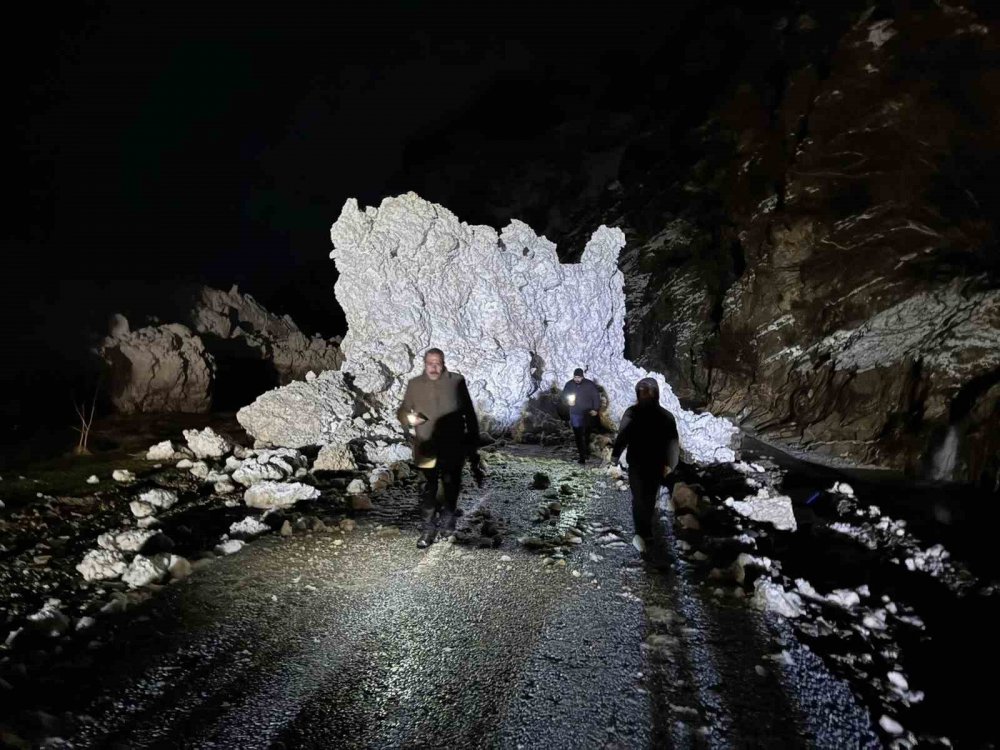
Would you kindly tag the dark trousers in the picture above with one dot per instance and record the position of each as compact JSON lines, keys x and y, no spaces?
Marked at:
{"x":582,"y":435}
{"x":439,"y":500}
{"x":645,"y":486}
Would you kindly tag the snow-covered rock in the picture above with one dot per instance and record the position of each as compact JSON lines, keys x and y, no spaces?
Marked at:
{"x":185,"y":463}
{"x":146,"y":570}
{"x":229,"y":547}
{"x":178,"y":567}
{"x":93,"y":479}
{"x":131,"y":540}
{"x":159,"y":498}
{"x":770,"y":597}
{"x":380,"y":452}
{"x":102,"y":565}
{"x":248,"y":527}
{"x":842,"y":488}
{"x":123,"y":475}
{"x":206,"y":443}
{"x":158,"y":369}
{"x":200,"y":470}
{"x":224,"y":487}
{"x":50,"y":619}
{"x":844,"y":598}
{"x":141,"y":509}
{"x":766,"y":508}
{"x":269,"y":465}
{"x":357,"y":487}
{"x":165,"y":451}
{"x":412,"y":276}
{"x":268,"y":495}
{"x":335,"y":458}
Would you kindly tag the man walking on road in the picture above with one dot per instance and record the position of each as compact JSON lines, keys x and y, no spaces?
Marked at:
{"x":649,"y":433}
{"x":438,"y":410}
{"x":584,"y":401}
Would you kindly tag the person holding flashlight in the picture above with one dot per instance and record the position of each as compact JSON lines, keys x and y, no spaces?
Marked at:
{"x":648,"y":433}
{"x":584,"y":401}
{"x":438,"y":413}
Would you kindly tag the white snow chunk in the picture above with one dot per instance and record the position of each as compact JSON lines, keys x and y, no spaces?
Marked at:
{"x":844,"y":598}
{"x":356,"y":487}
{"x":248,"y":527}
{"x":200,"y":470}
{"x":130,"y":540}
{"x":842,"y":488}
{"x":269,"y":495}
{"x":85,"y":623}
{"x":159,"y":498}
{"x":770,"y":597}
{"x":899,"y":681}
{"x":185,"y":463}
{"x":146,"y":570}
{"x":93,"y":479}
{"x":50,"y":619}
{"x":890,"y":726}
{"x":269,"y":465}
{"x":763,"y":507}
{"x":206,"y":443}
{"x":123,"y":475}
{"x":140,"y":509}
{"x":229,"y":547}
{"x":165,"y":451}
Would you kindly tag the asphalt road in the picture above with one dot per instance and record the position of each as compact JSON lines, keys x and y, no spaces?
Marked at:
{"x":360,"y":640}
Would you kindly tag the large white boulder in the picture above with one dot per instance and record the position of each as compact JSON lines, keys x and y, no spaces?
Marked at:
{"x":269,"y":495}
{"x":509,"y":316}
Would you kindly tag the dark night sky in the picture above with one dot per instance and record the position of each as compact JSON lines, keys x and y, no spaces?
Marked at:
{"x":156,"y":143}
{"x":150,"y":145}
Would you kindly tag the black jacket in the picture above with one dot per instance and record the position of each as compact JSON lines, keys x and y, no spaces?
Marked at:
{"x":649,"y":432}
{"x":588,"y":398}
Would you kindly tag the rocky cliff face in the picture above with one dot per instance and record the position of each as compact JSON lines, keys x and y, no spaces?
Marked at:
{"x":816,"y":256}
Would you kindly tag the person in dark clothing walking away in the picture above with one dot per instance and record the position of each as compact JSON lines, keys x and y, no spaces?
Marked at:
{"x":584,"y":401}
{"x":649,"y":433}
{"x":438,"y":410}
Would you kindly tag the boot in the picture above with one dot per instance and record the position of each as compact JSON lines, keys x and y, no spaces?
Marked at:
{"x":427,"y":538}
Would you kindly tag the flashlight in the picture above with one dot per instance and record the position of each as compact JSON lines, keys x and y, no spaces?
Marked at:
{"x":571,"y":399}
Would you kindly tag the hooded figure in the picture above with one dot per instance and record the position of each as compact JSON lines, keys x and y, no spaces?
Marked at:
{"x":649,"y":433}
{"x":438,"y":410}
{"x":584,"y":401}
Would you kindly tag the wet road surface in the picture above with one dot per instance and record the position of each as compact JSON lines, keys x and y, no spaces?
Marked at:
{"x":360,"y":640}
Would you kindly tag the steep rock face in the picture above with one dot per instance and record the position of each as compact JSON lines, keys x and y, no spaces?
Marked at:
{"x":867,"y":324}
{"x":816,"y":256}
{"x":157,"y":369}
{"x":241,"y":320}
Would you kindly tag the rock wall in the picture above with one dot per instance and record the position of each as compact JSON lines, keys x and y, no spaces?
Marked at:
{"x":157,"y":369}
{"x":509,"y":316}
{"x":815,"y":256}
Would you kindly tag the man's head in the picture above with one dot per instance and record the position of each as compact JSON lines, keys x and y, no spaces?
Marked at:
{"x":433,"y":363}
{"x":578,"y":375}
{"x":647,"y":389}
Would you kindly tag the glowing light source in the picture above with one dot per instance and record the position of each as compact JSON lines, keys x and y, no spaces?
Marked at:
{"x":571,"y":399}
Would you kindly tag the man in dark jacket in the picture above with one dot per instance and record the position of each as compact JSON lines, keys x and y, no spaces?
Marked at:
{"x":439,"y":412}
{"x":584,"y":401}
{"x":649,"y":432}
